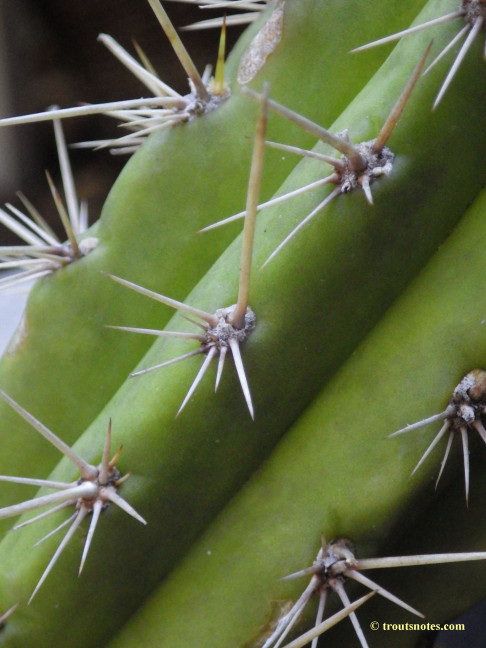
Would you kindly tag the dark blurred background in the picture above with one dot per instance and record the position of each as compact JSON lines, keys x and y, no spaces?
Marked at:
{"x":49,"y":54}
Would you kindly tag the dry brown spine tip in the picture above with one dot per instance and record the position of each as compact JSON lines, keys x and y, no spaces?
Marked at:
{"x":228,"y":327}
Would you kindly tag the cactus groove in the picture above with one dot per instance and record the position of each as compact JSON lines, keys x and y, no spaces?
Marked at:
{"x":362,"y":323}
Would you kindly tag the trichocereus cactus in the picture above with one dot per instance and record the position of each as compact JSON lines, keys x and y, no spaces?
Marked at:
{"x":361,"y":326}
{"x":38,"y":366}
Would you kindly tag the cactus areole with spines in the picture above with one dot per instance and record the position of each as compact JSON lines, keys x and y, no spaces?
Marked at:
{"x":372,"y":317}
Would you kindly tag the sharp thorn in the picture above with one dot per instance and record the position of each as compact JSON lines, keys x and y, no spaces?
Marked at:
{"x":173,"y":303}
{"x":97,"y":507}
{"x":318,"y":630}
{"x":240,"y":369}
{"x":465,"y":449}
{"x":367,"y":582}
{"x":338,"y":143}
{"x":334,"y":193}
{"x":423,"y":422}
{"x":446,"y":455}
{"x":86,"y":469}
{"x":167,"y":363}
{"x":219,"y":373}
{"x":436,"y":440}
{"x":207,"y":360}
{"x":341,"y":592}
{"x":406,"y":32}
{"x":112,"y":495}
{"x":178,"y":47}
{"x":421,"y":559}
{"x":79,"y":518}
{"x":237,"y":318}
{"x":459,"y":59}
{"x":394,"y":116}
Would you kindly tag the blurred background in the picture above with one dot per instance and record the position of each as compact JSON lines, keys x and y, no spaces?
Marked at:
{"x":49,"y":54}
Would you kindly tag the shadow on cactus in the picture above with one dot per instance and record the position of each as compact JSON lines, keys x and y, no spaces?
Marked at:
{"x":336,"y":563}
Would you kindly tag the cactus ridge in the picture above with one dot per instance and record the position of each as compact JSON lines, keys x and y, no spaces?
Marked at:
{"x":360,"y":165}
{"x":226,"y":329}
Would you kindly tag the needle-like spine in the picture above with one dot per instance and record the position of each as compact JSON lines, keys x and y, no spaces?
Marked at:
{"x":90,"y":494}
{"x":228,"y":327}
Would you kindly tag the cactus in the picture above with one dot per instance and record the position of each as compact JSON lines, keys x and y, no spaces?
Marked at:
{"x":24,"y":368}
{"x":365,"y":321}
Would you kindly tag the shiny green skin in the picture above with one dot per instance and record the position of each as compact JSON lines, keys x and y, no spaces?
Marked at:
{"x":68,"y":365}
{"x":335,"y":473}
{"x":186,"y":469}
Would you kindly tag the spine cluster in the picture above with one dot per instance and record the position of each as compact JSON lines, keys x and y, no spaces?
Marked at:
{"x":344,"y":246}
